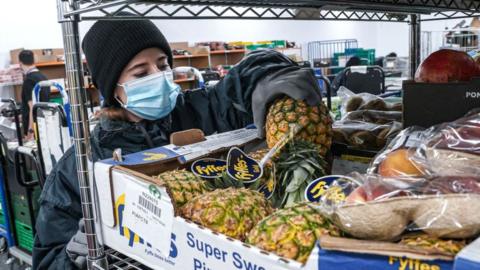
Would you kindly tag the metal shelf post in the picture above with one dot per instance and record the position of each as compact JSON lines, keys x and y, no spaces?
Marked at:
{"x":415,"y":46}
{"x":81,"y":133}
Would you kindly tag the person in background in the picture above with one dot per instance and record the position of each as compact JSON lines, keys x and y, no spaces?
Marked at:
{"x":32,"y":77}
{"x":391,"y":56}
{"x":340,"y":77}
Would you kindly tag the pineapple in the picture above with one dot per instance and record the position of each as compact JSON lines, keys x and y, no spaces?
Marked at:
{"x":231,"y":211}
{"x":433,"y":244}
{"x":298,"y":164}
{"x":315,"y":121}
{"x":291,"y":232}
{"x":182,"y":185}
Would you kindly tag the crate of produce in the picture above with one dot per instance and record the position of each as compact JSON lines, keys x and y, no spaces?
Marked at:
{"x":24,"y":235}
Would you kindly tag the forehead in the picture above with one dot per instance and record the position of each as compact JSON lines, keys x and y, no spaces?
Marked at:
{"x":149,"y":54}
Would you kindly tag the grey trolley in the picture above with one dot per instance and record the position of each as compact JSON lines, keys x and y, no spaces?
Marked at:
{"x":71,"y":12}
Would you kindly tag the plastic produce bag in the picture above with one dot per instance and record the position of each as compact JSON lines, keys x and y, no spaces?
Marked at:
{"x":385,"y":208}
{"x":368,"y":122}
{"x":364,"y":101}
{"x":450,"y":149}
{"x":453,"y":148}
{"x":364,"y":135}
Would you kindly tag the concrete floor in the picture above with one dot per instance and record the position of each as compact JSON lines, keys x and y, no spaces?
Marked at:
{"x":13,"y":264}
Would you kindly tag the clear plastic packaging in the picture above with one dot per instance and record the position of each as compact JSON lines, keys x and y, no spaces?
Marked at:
{"x":453,"y":148}
{"x":364,"y":101}
{"x":368,"y":122}
{"x":385,"y":208}
{"x":450,"y":149}
{"x":364,"y":135}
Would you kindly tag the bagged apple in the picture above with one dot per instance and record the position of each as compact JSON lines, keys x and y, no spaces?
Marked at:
{"x":399,"y":157}
{"x":453,"y":148}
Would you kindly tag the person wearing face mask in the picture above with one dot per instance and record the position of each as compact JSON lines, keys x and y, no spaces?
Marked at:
{"x":130,"y":62}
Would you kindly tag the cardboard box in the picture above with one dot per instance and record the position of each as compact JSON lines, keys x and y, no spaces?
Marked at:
{"x":347,"y":261}
{"x":41,"y":55}
{"x":428,"y":104}
{"x":469,"y":257}
{"x":189,"y":246}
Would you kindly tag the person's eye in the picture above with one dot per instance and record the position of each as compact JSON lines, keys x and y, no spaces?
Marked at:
{"x":140,"y":74}
{"x":163,"y":67}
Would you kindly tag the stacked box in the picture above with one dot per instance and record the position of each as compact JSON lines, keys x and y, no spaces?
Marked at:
{"x":24,"y":235}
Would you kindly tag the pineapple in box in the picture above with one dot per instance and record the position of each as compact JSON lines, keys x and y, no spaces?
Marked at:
{"x":298,"y":164}
{"x":315,"y":121}
{"x":182,"y":185}
{"x":291,"y":232}
{"x":231,"y":211}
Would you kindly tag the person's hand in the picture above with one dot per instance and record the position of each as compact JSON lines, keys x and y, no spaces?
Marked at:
{"x":77,"y":249}
{"x":299,"y":84}
{"x":28,"y":137}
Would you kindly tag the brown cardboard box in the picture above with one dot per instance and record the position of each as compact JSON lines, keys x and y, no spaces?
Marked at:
{"x":41,"y":55}
{"x":179,"y":45}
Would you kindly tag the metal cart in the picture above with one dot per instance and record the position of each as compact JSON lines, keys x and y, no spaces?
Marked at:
{"x":51,"y":116}
{"x":71,"y":12}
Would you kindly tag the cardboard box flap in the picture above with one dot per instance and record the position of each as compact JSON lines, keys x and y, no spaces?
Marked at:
{"x":379,"y":248}
{"x":187,"y":153}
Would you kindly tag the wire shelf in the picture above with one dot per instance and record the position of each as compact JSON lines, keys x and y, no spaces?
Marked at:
{"x":357,"y":10}
{"x":118,"y":261}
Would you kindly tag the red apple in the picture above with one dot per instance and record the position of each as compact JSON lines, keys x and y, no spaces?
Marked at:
{"x":447,"y":65}
{"x":370,"y":192}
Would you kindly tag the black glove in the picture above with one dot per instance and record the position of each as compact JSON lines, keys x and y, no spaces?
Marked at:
{"x":77,"y":249}
{"x":297,"y":83}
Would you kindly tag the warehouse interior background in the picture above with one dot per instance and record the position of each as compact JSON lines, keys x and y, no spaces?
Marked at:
{"x":37,"y":27}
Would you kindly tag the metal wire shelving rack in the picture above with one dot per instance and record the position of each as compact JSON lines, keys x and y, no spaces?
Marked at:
{"x":71,"y":12}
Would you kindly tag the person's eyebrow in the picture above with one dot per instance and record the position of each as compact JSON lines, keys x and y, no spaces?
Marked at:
{"x":136,"y":66}
{"x":162,"y":58}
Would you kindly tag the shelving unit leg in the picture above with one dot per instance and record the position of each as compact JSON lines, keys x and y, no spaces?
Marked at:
{"x":96,"y":258}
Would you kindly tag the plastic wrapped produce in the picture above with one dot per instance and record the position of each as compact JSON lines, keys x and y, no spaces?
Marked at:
{"x":364,"y":101}
{"x":453,"y":148}
{"x":368,"y":122}
{"x":384,"y":208}
{"x":450,"y":149}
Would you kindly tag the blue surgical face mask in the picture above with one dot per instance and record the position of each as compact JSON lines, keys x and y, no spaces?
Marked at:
{"x":151,"y":97}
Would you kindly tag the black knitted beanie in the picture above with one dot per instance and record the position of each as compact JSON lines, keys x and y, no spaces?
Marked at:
{"x":110,"y":45}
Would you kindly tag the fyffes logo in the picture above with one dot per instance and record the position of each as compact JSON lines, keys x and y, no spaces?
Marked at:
{"x":209,"y":167}
{"x":243,"y":168}
{"x":132,"y":237}
{"x":335,"y":188}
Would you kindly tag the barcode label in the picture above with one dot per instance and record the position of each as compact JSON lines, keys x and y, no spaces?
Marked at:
{"x":150,"y":206}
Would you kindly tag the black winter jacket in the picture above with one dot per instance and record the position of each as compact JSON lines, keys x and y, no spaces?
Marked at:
{"x":225,"y":107}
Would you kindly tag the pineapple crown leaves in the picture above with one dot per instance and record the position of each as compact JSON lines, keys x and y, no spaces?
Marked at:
{"x":298,"y":165}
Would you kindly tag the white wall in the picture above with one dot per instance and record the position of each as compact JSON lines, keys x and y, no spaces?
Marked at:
{"x":33,"y":24}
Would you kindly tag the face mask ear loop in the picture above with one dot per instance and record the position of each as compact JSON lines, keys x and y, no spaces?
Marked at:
{"x":120,"y":102}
